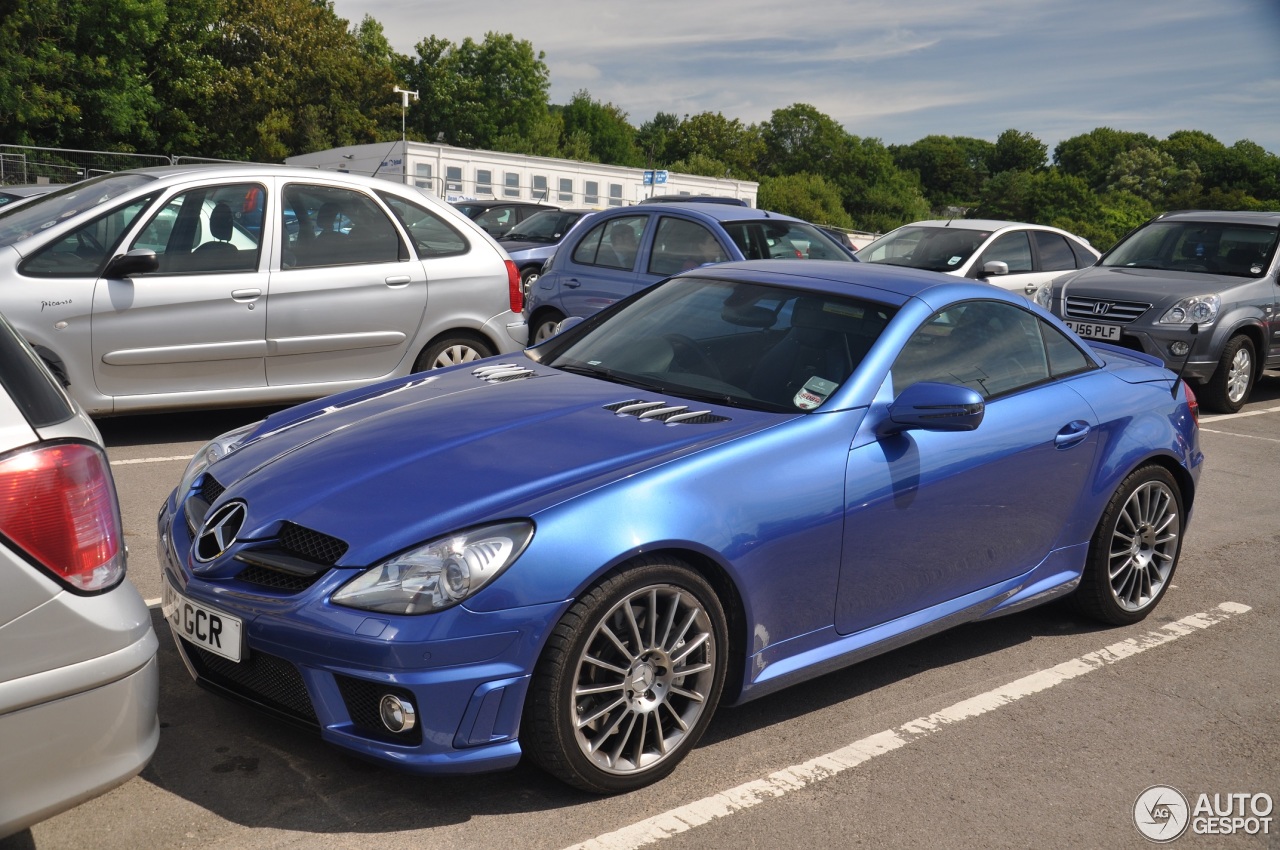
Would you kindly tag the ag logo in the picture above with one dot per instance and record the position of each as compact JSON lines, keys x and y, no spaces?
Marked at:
{"x":220,"y":531}
{"x":1161,"y":813}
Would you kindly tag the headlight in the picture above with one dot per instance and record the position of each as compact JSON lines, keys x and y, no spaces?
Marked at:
{"x":439,"y":574}
{"x":1044,"y":296}
{"x":1200,"y":309}
{"x":217,"y":448}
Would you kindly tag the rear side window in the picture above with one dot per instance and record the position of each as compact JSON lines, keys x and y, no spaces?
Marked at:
{"x":330,"y":226}
{"x":431,"y":235}
{"x":1055,"y":253}
{"x":28,"y":384}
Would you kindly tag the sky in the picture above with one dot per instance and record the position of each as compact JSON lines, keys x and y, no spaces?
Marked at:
{"x":896,"y":70}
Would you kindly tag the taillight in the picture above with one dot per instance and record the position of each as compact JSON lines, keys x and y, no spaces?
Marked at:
{"x":1192,"y":404}
{"x":58,"y":505}
{"x":514,"y":290}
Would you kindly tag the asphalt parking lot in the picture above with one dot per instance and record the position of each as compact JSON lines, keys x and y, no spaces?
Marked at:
{"x":1035,"y":730}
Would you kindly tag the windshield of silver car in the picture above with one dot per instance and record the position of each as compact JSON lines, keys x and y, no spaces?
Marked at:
{"x":1242,"y":250}
{"x":938,"y":249}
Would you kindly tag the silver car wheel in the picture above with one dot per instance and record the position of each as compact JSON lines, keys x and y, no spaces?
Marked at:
{"x":455,"y":354}
{"x":1239,"y":374}
{"x":545,"y":330}
{"x":1144,"y":545}
{"x":643,"y":679}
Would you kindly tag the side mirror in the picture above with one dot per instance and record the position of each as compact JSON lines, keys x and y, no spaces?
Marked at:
{"x":569,"y":322}
{"x":929,"y":406}
{"x":995,"y":267}
{"x":137,"y":261}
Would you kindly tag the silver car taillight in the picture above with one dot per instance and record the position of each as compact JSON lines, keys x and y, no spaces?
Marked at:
{"x":58,"y":505}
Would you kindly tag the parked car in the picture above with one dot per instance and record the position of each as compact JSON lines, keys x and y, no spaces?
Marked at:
{"x":1012,"y":255}
{"x":532,"y":242}
{"x":191,"y":286}
{"x":498,"y":217}
{"x":23,"y":193}
{"x":619,"y":251}
{"x":78,"y":679}
{"x":1197,"y":289}
{"x":699,"y":199}
{"x":745,"y":476}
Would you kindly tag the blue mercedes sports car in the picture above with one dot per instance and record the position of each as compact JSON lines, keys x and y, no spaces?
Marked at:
{"x":743,"y":477}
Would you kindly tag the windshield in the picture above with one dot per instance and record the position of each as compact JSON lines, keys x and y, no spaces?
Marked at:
{"x":25,"y":219}
{"x":773,"y":239}
{"x":546,"y":226}
{"x":936,"y":248}
{"x":740,"y":344}
{"x":1241,"y":250}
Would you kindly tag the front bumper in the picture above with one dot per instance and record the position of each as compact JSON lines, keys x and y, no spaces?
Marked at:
{"x":327,"y":667}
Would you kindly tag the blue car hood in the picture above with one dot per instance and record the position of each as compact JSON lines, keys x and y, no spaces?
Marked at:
{"x":429,"y":455}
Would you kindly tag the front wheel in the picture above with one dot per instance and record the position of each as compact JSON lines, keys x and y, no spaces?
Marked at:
{"x":1228,"y":389}
{"x":1134,"y":549}
{"x":451,"y":351}
{"x":546,"y":324}
{"x":629,"y":679}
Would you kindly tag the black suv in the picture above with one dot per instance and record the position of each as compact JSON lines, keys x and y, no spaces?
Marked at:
{"x":1214,"y":270}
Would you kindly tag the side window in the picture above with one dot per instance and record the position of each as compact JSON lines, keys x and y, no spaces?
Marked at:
{"x":511,"y":184}
{"x":1055,"y":253}
{"x":1064,"y":357}
{"x":422,"y":177}
{"x":484,"y":181}
{"x":1012,"y":248}
{"x":612,"y":244}
{"x":566,"y":189}
{"x":680,"y":244}
{"x":431,"y":235}
{"x":591,"y":190}
{"x":497,"y":221}
{"x":1084,"y":257}
{"x":204,"y":231}
{"x":329,"y":226}
{"x":453,"y":178}
{"x":84,"y":251}
{"x":615,"y":194}
{"x":989,"y":346}
{"x":540,"y":190}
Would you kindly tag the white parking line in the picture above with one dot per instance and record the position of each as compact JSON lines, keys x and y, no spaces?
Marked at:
{"x":1222,"y":416}
{"x":793,"y":778}
{"x":149,"y":460}
{"x":1246,"y":436}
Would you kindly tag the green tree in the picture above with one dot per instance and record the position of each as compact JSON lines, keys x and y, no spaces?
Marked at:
{"x":805,"y":196}
{"x":711,"y":136}
{"x":612,"y":138}
{"x":1153,"y":175}
{"x":877,"y":194}
{"x":1016,"y":151}
{"x":1092,"y":155}
{"x":951,"y":169}
{"x":800,"y":139}
{"x":655,"y":138}
{"x":75,"y":73}
{"x":700,"y":164}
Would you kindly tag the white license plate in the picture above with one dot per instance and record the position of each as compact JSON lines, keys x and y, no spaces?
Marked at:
{"x":1093,"y":330}
{"x":215,"y":631}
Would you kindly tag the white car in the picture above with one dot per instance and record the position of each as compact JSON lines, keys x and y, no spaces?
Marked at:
{"x":78,"y":679}
{"x":193,"y":286}
{"x":1013,"y":255}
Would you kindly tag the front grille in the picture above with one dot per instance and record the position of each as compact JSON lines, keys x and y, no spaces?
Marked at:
{"x":1082,"y":308}
{"x":310,"y":544}
{"x":277,"y":580}
{"x":660,"y":411}
{"x":210,"y":489}
{"x":362,"y":697}
{"x":259,"y":678}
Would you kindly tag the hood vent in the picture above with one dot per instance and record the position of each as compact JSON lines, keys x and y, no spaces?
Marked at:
{"x":501,"y":372}
{"x":660,"y":411}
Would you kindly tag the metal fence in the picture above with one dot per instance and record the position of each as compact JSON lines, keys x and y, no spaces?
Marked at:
{"x":21,"y":164}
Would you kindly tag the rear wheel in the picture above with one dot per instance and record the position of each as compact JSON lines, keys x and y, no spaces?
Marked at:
{"x":1134,"y":550}
{"x":1228,"y":389}
{"x":451,"y":351}
{"x":545,"y":324}
{"x":528,"y":278}
{"x":629,"y":679}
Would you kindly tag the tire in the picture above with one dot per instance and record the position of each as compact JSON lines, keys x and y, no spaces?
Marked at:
{"x":544,"y":325}
{"x":528,"y":278}
{"x":629,"y":679}
{"x":451,"y":351}
{"x":1134,"y":550}
{"x":1232,"y":381}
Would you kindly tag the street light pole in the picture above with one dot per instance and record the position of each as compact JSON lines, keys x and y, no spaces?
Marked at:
{"x":404,"y":153}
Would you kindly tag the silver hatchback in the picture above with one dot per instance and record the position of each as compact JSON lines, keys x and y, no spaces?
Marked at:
{"x":193,"y":286}
{"x":78,"y":679}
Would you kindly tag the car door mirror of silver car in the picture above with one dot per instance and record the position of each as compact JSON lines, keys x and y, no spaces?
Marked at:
{"x":137,"y":261}
{"x":930,"y":406}
{"x":995,"y":267}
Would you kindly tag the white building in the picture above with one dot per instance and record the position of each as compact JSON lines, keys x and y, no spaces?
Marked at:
{"x":456,"y":174}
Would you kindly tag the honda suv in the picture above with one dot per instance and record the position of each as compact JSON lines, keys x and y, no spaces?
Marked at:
{"x":1198,"y":289}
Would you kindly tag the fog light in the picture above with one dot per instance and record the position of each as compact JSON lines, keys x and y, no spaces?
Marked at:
{"x":1179,"y":349}
{"x":397,"y":714}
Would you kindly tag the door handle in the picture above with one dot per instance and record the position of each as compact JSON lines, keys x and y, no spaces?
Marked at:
{"x":572,"y":283}
{"x":246,"y":294}
{"x":1072,"y":434}
{"x":398,"y":280}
